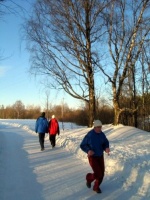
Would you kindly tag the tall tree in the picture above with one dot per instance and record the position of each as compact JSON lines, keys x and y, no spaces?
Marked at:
{"x":63,"y":37}
{"x":19,"y":109}
{"x":124,"y":21}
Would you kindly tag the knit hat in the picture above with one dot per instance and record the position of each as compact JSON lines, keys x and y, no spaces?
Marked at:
{"x":97,"y":123}
{"x":53,"y":116}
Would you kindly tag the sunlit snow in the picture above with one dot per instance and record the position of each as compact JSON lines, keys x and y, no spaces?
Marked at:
{"x":26,"y":173}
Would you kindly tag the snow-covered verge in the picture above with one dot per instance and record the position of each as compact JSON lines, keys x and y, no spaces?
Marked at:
{"x":129,"y":162}
{"x":127,"y":167}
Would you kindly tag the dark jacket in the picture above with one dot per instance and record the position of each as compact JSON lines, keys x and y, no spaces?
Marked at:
{"x":96,"y":142}
{"x":41,"y":125}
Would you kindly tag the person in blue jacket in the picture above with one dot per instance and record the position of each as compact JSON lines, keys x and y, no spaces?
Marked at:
{"x":94,"y":144}
{"x":41,"y":127}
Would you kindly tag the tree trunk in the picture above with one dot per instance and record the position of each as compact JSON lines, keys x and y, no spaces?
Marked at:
{"x":116,"y":112}
{"x":91,"y":108}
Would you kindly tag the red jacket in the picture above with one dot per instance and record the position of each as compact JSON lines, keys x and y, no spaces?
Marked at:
{"x":53,"y":127}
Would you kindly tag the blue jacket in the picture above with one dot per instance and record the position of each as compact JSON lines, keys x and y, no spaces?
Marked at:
{"x":96,"y":142}
{"x":41,"y":125}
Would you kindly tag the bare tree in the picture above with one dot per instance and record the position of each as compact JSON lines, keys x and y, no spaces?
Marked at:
{"x":1,"y":8}
{"x":10,"y":8}
{"x":124,"y":22}
{"x":144,"y":80}
{"x":19,"y":109}
{"x":62,"y":39}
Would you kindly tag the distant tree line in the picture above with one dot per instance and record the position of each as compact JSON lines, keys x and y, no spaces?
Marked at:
{"x":62,"y":112}
{"x":80,"y":115}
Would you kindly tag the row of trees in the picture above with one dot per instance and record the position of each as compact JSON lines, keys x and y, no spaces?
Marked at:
{"x":62,"y":112}
{"x":76,"y":43}
{"x":80,"y":115}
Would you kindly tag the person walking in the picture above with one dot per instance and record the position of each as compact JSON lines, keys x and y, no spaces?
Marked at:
{"x":41,"y":127}
{"x":53,"y":129}
{"x":94,"y":144}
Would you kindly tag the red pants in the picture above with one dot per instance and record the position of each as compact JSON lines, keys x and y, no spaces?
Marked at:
{"x":97,"y":164}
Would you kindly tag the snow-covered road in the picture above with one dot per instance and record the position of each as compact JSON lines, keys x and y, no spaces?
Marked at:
{"x":26,"y":173}
{"x":29,"y":174}
{"x":18,"y":181}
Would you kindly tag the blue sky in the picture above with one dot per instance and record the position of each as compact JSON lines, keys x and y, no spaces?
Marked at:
{"x":16,"y":83}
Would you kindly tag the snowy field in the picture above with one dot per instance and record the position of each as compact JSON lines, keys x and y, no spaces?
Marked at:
{"x":26,"y":173}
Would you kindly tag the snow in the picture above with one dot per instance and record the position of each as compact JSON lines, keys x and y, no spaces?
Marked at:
{"x":26,"y":173}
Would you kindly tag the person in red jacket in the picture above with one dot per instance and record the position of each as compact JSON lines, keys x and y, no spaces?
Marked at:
{"x":53,"y":129}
